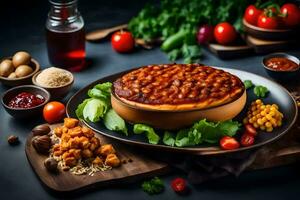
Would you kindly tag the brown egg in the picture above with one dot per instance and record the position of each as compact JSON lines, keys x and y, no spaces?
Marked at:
{"x":6,"y":68}
{"x":23,"y":70}
{"x":12,"y":75}
{"x":21,"y":58}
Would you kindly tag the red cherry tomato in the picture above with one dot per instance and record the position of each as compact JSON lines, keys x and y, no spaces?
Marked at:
{"x":122,"y":41}
{"x":225,"y":33}
{"x":54,"y":112}
{"x":178,"y":185}
{"x":267,"y":22}
{"x":292,"y":13}
{"x":250,"y":130}
{"x":247,"y":139}
{"x":251,"y":14}
{"x":229,"y":143}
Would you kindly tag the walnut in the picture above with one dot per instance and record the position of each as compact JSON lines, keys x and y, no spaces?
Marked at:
{"x":112,"y":160}
{"x":41,"y":144}
{"x":70,"y":122}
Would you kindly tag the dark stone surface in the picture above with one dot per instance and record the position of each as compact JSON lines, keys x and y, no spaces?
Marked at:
{"x":22,"y":28}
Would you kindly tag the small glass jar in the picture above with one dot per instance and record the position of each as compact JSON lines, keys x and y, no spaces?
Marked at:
{"x":65,"y":35}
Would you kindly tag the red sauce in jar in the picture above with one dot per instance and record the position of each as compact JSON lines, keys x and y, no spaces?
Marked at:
{"x":26,"y":100}
{"x":281,"y":64}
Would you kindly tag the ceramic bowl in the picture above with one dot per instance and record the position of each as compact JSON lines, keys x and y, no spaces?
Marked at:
{"x":12,"y":82}
{"x":24,"y":112}
{"x":56,"y":92}
{"x":282,"y":76}
{"x":269,"y":34}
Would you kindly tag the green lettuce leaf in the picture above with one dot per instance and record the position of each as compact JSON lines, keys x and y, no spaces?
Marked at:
{"x":114,"y":122}
{"x":94,"y":110}
{"x":80,"y":107}
{"x":153,"y":138}
{"x":168,"y":139}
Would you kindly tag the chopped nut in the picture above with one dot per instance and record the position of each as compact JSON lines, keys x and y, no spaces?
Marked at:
{"x":13,"y":140}
{"x":106,"y":149}
{"x":87,"y":132}
{"x":97,"y":161}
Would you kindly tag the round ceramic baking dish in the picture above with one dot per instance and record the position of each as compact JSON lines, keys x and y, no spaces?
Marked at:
{"x":173,"y":119}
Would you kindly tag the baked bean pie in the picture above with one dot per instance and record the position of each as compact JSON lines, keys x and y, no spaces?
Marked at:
{"x":178,"y":87}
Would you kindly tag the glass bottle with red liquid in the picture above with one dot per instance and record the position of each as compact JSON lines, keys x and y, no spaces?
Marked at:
{"x":65,"y":35}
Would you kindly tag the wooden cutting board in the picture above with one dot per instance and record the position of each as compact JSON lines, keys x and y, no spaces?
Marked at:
{"x":140,"y":167}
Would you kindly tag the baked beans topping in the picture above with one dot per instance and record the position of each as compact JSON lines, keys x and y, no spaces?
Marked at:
{"x":177,"y":84}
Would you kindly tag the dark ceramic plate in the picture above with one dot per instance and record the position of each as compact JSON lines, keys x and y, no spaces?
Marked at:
{"x":278,"y":95}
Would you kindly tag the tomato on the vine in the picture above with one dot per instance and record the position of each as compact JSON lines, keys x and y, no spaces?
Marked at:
{"x":225,"y":33}
{"x":292,"y":14}
{"x":267,"y":22}
{"x":229,"y":143}
{"x":251,"y":14}
{"x":54,"y":111}
{"x":122,"y":41}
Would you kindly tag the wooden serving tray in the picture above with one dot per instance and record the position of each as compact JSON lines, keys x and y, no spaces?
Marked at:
{"x":65,"y":181}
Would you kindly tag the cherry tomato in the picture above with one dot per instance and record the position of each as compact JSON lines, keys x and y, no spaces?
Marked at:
{"x":247,"y":139}
{"x":267,"y":22}
{"x":178,"y":185}
{"x":205,"y":34}
{"x":250,"y":130}
{"x":54,"y":111}
{"x":122,"y":41}
{"x":251,"y":14}
{"x":229,"y":143}
{"x":225,"y":33}
{"x":292,"y":13}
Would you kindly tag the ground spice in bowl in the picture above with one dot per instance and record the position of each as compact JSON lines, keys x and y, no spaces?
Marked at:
{"x":54,"y":77}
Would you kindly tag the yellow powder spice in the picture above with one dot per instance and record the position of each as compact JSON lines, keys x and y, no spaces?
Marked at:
{"x":53,"y":77}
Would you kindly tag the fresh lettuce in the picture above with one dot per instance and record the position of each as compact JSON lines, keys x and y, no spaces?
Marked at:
{"x":114,"y":122}
{"x":153,"y":138}
{"x":94,"y":110}
{"x":202,"y":131}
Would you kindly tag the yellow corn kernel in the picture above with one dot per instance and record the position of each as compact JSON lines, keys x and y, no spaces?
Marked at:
{"x":268,"y":124}
{"x":264,"y":119}
{"x":270,"y":129}
{"x":273,"y":122}
{"x":260,"y":122}
{"x":255,"y":125}
{"x":263,"y":113}
{"x":272,"y":113}
{"x":262,"y":107}
{"x":279,"y":123}
{"x":258,"y":101}
{"x":251,"y":121}
{"x":253,"y":108}
{"x":269,"y":117}
{"x":258,"y":116}
{"x":267,"y":110}
{"x":245,"y":120}
{"x":254,"y":119}
{"x":275,"y":106}
{"x":262,"y":128}
{"x":255,"y":112}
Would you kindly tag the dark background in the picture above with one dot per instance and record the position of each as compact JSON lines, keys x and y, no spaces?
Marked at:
{"x":22,"y":28}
